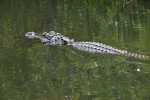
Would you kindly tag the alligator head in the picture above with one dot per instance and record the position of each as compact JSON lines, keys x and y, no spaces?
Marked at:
{"x":51,"y":38}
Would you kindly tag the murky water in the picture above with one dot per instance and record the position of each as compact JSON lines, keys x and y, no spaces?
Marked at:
{"x":30,"y":70}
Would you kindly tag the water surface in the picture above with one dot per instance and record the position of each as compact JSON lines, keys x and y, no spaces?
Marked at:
{"x":30,"y":70}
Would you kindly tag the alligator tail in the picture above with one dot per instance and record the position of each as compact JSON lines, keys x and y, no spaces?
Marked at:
{"x":137,"y":55}
{"x":95,"y":47}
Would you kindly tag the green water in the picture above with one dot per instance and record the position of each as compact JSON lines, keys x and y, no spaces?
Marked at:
{"x":30,"y":70}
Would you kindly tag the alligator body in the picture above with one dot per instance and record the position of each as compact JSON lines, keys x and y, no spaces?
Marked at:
{"x":53,"y":38}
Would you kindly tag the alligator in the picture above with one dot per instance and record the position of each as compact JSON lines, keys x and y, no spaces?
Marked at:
{"x":53,"y":38}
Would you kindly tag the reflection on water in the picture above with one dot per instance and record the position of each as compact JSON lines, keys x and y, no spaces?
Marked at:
{"x":30,"y":70}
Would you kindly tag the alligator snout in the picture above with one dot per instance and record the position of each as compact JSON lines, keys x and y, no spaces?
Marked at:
{"x":30,"y":35}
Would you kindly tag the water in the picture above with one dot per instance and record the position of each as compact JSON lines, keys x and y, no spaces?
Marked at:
{"x":30,"y":70}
